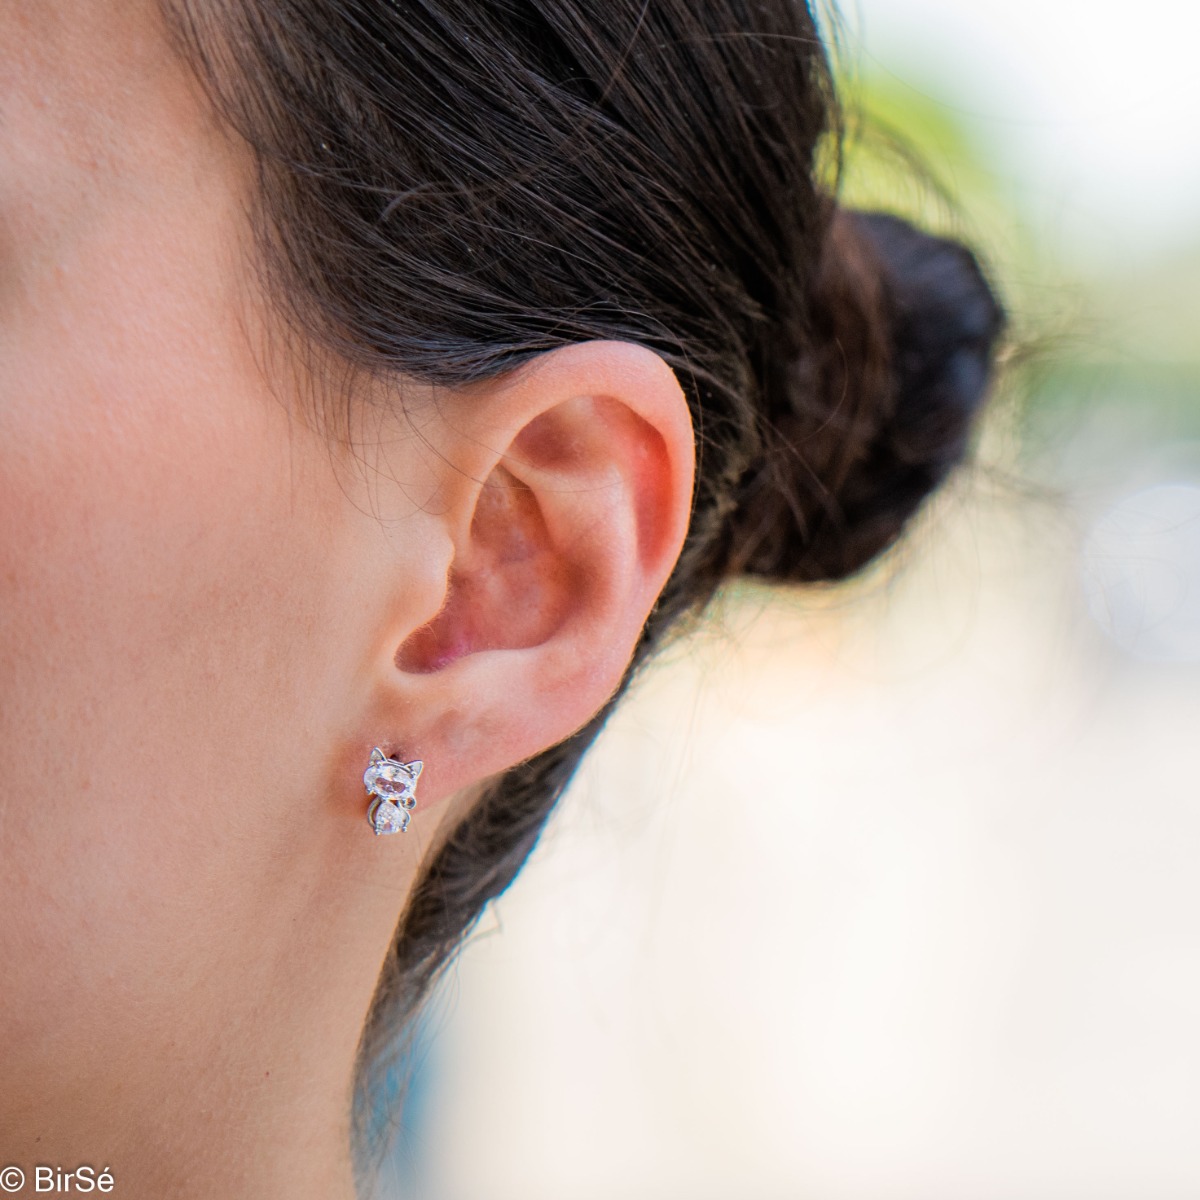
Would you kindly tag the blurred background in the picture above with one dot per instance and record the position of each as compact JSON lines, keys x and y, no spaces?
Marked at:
{"x":889,"y":891}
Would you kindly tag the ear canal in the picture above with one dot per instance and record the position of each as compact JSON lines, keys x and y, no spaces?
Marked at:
{"x":507,"y":590}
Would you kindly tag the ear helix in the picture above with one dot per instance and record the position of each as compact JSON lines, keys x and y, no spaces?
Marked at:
{"x":391,"y":784}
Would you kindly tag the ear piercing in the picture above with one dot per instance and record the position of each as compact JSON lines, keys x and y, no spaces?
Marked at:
{"x":391,"y":785}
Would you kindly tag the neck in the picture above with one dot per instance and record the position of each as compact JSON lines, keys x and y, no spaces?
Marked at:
{"x":231,"y":1135}
{"x":255,"y":1104}
{"x":220,"y":1061}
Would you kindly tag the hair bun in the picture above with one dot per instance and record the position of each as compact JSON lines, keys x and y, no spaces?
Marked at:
{"x":871,"y":404}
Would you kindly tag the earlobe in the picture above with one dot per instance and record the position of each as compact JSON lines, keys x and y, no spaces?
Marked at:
{"x":559,"y":555}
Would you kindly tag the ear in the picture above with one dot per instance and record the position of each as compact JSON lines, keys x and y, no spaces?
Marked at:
{"x":566,"y":504}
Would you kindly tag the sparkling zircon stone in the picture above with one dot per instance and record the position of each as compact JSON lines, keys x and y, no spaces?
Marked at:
{"x":388,"y":779}
{"x":388,"y":818}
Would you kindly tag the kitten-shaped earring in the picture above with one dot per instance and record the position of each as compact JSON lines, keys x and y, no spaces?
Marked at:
{"x":391,"y":784}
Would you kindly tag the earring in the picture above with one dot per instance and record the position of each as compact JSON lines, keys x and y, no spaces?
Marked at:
{"x":392,"y":785}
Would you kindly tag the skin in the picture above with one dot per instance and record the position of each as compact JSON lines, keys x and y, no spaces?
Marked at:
{"x":211,"y":610}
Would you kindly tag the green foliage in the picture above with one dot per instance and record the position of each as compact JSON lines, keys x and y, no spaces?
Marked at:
{"x":911,"y":153}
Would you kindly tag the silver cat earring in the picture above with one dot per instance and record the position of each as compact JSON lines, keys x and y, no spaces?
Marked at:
{"x":391,"y":785}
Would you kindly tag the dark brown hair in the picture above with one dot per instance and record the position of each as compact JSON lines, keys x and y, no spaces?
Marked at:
{"x":450,"y":187}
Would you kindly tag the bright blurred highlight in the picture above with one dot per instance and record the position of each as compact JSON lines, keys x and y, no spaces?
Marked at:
{"x":1142,"y":573}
